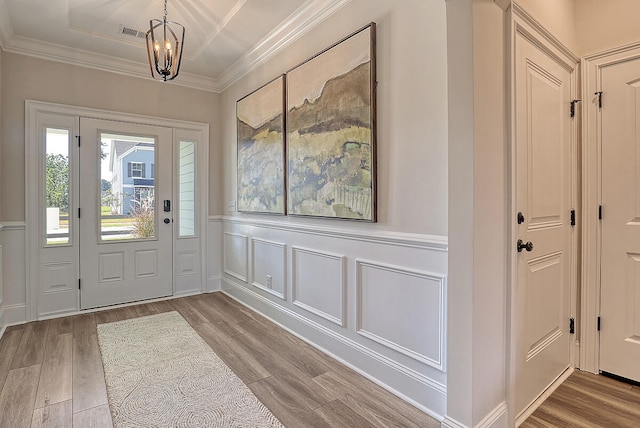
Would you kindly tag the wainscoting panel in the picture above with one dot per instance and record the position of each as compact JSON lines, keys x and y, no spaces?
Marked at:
{"x":235,"y":255}
{"x":413,"y":301}
{"x":318,"y":283}
{"x":214,"y":254}
{"x":268,"y":266}
{"x":373,"y":299}
{"x":14,"y":272}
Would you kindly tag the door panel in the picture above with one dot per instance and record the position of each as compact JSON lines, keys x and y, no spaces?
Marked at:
{"x":543,"y":196}
{"x":620,"y":273}
{"x":126,"y":246}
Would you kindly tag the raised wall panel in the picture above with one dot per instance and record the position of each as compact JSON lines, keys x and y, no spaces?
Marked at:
{"x":544,"y":94}
{"x":543,"y":318}
{"x":111,"y":267}
{"x":402,"y":309}
{"x":146,"y":263}
{"x":57,"y":277}
{"x":319,"y":283}
{"x":268,"y":259}
{"x":632,"y":311}
{"x":235,"y":255}
{"x":187,"y":263}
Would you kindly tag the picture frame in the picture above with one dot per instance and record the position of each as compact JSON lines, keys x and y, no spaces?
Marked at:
{"x":260,"y":119}
{"x":331,"y":131}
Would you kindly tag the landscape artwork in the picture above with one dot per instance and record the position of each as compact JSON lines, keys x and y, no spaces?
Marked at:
{"x":260,"y":121}
{"x":331,"y":131}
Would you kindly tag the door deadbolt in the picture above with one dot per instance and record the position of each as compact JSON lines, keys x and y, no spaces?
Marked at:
{"x":167,"y":221}
{"x":524,"y":246}
{"x":520,"y":218}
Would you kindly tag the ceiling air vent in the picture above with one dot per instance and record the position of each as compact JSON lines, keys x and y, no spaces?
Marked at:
{"x":131,"y":32}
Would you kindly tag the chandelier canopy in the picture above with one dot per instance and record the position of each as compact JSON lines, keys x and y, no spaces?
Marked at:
{"x":165,"y":42}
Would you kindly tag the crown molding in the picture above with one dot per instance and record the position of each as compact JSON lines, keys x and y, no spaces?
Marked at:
{"x":298,"y":24}
{"x":83,"y":58}
{"x":305,"y":18}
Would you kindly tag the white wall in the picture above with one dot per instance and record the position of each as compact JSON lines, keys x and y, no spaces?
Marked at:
{"x":558,"y":17}
{"x":377,"y":298}
{"x":602,"y":25}
{"x":477,"y":326}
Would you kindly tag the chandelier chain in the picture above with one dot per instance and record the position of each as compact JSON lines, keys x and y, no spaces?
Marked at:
{"x":165,"y":10}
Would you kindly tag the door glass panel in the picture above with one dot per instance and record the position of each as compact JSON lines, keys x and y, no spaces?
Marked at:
{"x":127,"y":183}
{"x":57,"y":186}
{"x":187,"y":188}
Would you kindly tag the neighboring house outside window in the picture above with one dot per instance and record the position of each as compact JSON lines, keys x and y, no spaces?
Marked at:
{"x":132,"y":167}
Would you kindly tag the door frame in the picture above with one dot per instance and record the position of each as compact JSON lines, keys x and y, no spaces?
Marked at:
{"x":592,"y":66}
{"x":518,"y":21}
{"x":33,"y":177}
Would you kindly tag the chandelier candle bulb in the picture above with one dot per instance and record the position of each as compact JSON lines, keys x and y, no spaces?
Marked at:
{"x":165,"y":66}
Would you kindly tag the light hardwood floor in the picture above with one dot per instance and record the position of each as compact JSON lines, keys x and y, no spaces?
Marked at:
{"x":586,"y":400}
{"x":51,"y":373}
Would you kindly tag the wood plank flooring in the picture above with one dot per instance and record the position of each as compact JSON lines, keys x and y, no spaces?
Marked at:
{"x":586,"y":400}
{"x":51,"y":372}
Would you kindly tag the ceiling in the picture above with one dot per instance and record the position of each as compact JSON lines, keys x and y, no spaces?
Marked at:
{"x":225,"y":39}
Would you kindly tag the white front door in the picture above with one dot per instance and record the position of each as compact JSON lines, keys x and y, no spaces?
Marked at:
{"x":620,"y":260}
{"x":543,"y":200}
{"x":126,"y":223}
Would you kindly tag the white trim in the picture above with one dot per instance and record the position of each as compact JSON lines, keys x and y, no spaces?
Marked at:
{"x":493,"y":417}
{"x":13,"y":225}
{"x":520,"y":22}
{"x":311,"y":14}
{"x":303,"y":20}
{"x":375,"y":236}
{"x":546,"y":394}
{"x":449,"y":422}
{"x":15,"y":314}
{"x":32,"y":243}
{"x":294,"y":286}
{"x":237,"y":275}
{"x":442,"y":339}
{"x":435,"y":386}
{"x":564,"y":52}
{"x":281,"y":246}
{"x":592,"y":198}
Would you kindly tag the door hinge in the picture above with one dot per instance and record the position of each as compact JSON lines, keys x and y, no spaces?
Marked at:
{"x":599,"y":94}
{"x":572,"y":326}
{"x":572,"y":108}
{"x":599,"y":212}
{"x":573,"y":217}
{"x":598,"y":323}
{"x":78,"y":212}
{"x":79,"y":284}
{"x":78,"y":137}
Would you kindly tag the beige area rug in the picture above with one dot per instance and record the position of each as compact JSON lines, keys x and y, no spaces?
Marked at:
{"x":161,"y":373}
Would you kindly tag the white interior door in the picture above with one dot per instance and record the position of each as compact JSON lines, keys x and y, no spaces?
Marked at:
{"x":126,"y":227}
{"x":620,"y":262}
{"x":543,"y":197}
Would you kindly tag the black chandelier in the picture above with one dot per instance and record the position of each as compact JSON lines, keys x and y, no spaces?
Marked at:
{"x":165,"y":42}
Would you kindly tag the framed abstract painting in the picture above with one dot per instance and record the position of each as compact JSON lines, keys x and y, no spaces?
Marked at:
{"x":260,"y":131}
{"x":331,"y":131}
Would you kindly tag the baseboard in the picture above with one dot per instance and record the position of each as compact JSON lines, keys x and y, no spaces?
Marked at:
{"x":214,"y":284}
{"x":538,"y":401}
{"x":448,"y":422}
{"x":496,"y":418}
{"x":432,"y":393}
{"x":3,"y":324}
{"x":15,"y":314}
